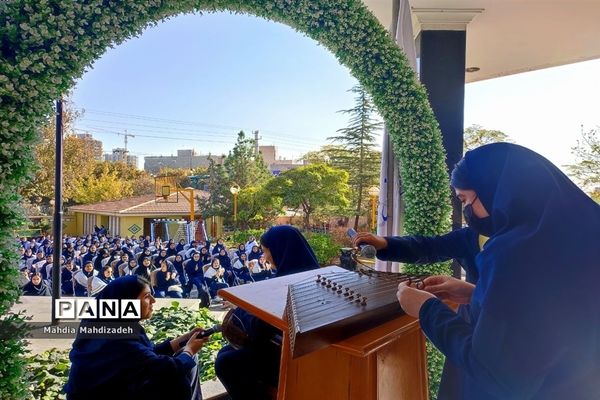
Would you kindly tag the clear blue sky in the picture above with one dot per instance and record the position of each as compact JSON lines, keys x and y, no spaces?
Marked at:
{"x":218,"y":73}
{"x":199,"y":79}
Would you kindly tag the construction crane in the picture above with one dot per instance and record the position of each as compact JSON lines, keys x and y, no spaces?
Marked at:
{"x":125,"y":136}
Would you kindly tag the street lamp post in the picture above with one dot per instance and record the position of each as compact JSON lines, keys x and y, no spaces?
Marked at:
{"x":374,"y":193}
{"x":235,"y":189}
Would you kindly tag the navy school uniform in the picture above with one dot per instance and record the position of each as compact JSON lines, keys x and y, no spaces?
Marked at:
{"x":195,"y":276}
{"x":163,"y":284}
{"x":462,"y":245}
{"x":132,"y":368}
{"x":194,"y":273}
{"x":218,"y":247}
{"x":249,"y":372}
{"x":36,"y":290}
{"x":182,"y":275}
{"x":242,"y":271}
{"x":88,"y":257}
{"x":143,"y":271}
{"x":205,"y":258}
{"x":66,"y":281}
{"x":214,"y":282}
{"x":229,"y":273}
{"x":254,"y":255}
{"x":534,"y":319}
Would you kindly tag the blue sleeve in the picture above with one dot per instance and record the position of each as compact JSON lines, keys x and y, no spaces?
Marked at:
{"x":164,"y":348}
{"x":161,"y":366}
{"x":188,"y":270}
{"x":257,"y":329}
{"x":430,"y":249}
{"x":453,"y":336}
{"x":500,"y":354}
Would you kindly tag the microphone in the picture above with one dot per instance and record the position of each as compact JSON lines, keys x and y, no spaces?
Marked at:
{"x":366,"y":250}
{"x":206,"y":333}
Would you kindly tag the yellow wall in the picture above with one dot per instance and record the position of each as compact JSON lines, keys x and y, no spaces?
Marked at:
{"x":214,"y":230}
{"x":128,"y":222}
{"x":79,"y":223}
{"x":75,"y":225}
{"x":70,"y":224}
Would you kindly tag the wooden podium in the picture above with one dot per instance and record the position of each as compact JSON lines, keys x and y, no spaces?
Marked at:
{"x":387,"y":362}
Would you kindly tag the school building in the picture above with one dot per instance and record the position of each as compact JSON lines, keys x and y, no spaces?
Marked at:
{"x":134,"y":216}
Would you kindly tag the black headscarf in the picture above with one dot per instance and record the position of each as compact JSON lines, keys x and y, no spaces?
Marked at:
{"x":535,"y":329}
{"x":290,"y":251}
{"x":36,"y":290}
{"x":97,"y":361}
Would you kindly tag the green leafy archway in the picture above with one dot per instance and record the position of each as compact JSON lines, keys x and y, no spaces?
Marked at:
{"x":46,"y":44}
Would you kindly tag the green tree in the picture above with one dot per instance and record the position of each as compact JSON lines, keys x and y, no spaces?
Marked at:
{"x":79,"y":160}
{"x":257,"y":207}
{"x":217,"y":183}
{"x":357,"y":154}
{"x":181,"y":175}
{"x":243,"y":166}
{"x":476,"y":136}
{"x":334,"y":155}
{"x":141,"y":181}
{"x":105,"y":185}
{"x":312,"y":189}
{"x":587,"y":169}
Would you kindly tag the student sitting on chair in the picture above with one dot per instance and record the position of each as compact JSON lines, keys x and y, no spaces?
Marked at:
{"x":167,"y":284}
{"x":214,"y":277}
{"x":240,"y":268}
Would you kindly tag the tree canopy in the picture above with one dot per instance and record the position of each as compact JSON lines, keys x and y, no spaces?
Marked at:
{"x":315,"y":189}
{"x":79,"y":161}
{"x":476,"y":136}
{"x":357,"y":152}
{"x":586,"y":171}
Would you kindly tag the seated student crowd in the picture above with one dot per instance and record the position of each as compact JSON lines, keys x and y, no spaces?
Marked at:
{"x":174,"y":268}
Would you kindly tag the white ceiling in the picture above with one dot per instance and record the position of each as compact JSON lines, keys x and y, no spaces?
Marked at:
{"x":506,"y":37}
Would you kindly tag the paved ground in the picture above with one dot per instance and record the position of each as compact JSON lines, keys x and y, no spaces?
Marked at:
{"x":40,"y":308}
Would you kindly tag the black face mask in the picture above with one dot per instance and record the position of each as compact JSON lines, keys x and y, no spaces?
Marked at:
{"x":483,"y":226}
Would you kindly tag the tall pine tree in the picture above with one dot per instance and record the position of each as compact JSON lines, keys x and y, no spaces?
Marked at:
{"x":217,"y":184}
{"x":243,"y":166}
{"x":356,"y":152}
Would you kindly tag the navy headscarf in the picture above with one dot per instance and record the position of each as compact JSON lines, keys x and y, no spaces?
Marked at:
{"x":126,"y":288}
{"x":97,"y":361}
{"x":535,"y":313}
{"x":290,"y":251}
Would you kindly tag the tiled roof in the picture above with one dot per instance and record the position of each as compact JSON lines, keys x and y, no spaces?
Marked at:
{"x":142,"y":205}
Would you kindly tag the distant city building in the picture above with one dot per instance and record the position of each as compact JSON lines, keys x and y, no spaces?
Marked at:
{"x":185,"y":159}
{"x":94,"y":143}
{"x":276,"y":165}
{"x":121,"y":155}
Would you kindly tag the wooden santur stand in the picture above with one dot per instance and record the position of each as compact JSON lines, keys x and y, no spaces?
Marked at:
{"x":387,"y":362}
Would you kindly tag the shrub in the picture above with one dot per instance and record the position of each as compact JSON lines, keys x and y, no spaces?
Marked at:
{"x":340,"y":236}
{"x":324,"y":247}
{"x":174,"y":320}
{"x":47,"y":374}
{"x":238,"y":237}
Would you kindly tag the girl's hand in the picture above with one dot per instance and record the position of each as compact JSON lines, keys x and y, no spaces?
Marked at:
{"x":449,"y":288}
{"x":378,"y":242}
{"x":411,"y":299}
